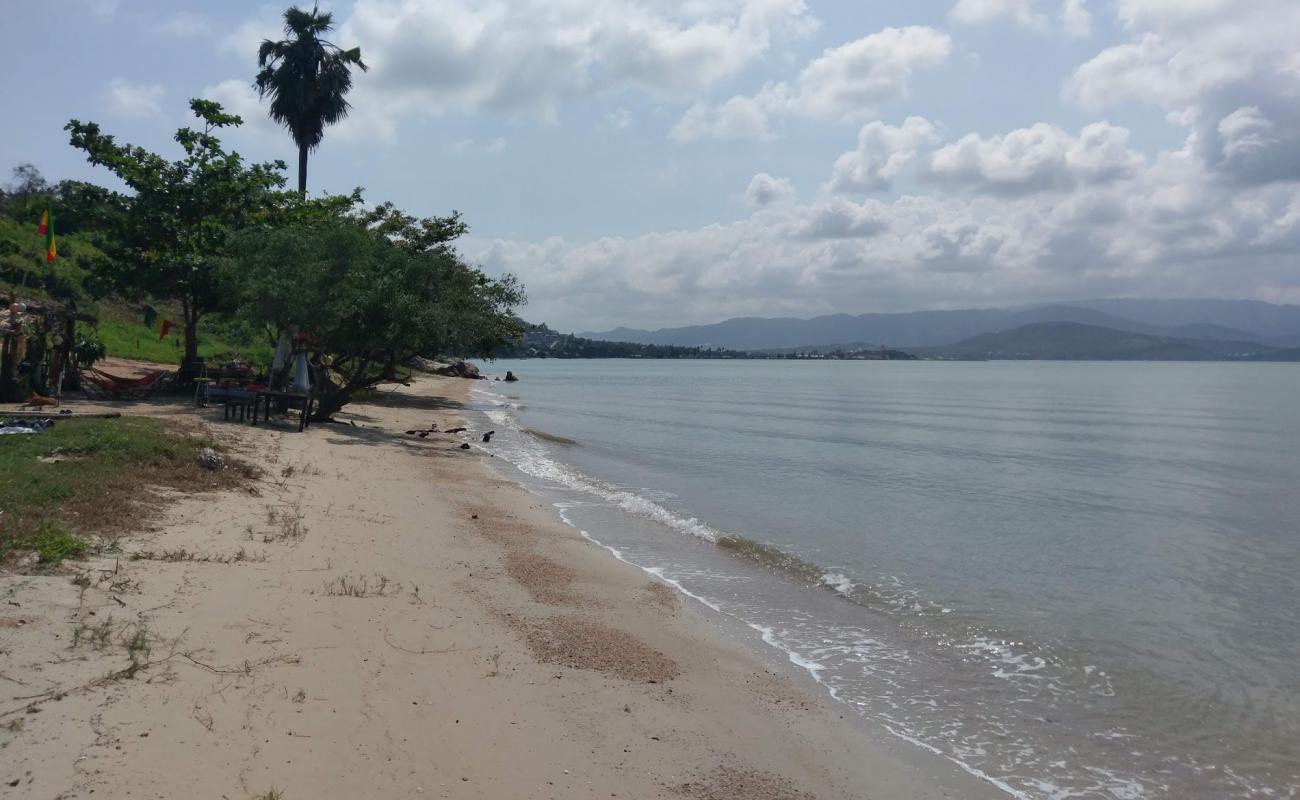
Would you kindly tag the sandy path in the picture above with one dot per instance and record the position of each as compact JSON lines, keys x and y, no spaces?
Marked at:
{"x":397,"y":622}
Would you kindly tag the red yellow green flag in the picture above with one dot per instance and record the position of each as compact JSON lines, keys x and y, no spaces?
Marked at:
{"x":46,"y":228}
{"x":157,"y":322}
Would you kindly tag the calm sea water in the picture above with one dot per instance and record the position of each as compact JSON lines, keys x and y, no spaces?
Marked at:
{"x":1073,"y":579}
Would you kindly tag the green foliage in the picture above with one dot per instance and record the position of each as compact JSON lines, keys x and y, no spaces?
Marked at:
{"x":53,"y":544}
{"x":168,"y":235}
{"x":307,"y":79}
{"x":368,"y":301}
{"x":89,"y":347}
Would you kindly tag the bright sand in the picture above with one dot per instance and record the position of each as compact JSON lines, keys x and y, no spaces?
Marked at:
{"x":495,"y":652}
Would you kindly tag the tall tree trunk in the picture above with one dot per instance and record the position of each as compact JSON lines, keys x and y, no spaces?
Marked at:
{"x":191,"y":333}
{"x":302,"y":170}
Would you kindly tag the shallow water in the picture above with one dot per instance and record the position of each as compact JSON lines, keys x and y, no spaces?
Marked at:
{"x":1074,"y":579}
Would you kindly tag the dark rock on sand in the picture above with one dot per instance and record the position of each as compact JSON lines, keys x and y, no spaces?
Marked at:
{"x":487,"y":437}
{"x":459,"y":369}
{"x":510,"y":377}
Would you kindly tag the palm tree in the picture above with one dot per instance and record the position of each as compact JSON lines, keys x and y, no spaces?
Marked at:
{"x":307,"y":78}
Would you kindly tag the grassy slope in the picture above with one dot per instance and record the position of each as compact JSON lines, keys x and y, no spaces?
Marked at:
{"x":120,"y":324}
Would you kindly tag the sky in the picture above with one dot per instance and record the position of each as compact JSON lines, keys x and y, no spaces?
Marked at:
{"x":653,"y":163}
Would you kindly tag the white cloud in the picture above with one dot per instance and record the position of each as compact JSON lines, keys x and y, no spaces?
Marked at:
{"x":1075,"y":19}
{"x":243,"y":41}
{"x":978,"y":12}
{"x":1073,"y":16}
{"x":1036,"y":159}
{"x":1203,"y":62}
{"x":764,"y":190}
{"x":489,"y":147}
{"x":845,"y":82}
{"x":528,"y":57}
{"x":184,"y":23}
{"x":126,"y":99}
{"x":1112,"y":224}
{"x":882,"y":153}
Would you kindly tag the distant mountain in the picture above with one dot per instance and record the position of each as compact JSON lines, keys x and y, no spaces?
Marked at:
{"x":1221,"y":320}
{"x":1273,"y":323}
{"x":1074,"y":341}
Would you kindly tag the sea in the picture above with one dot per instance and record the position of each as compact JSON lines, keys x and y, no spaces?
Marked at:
{"x":1071,"y":579}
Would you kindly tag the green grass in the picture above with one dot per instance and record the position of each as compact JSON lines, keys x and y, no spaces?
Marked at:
{"x":125,"y":339}
{"x":53,"y":544}
{"x":88,"y":476}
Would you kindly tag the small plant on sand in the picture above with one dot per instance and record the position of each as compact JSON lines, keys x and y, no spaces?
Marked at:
{"x":138,"y":643}
{"x":271,"y":794}
{"x":495,"y":660}
{"x":300,"y":696}
{"x":53,"y":544}
{"x":346,"y":586}
{"x":96,"y":634}
{"x":287,"y":524}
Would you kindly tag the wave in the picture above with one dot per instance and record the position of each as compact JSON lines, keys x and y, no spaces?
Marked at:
{"x":550,"y":437}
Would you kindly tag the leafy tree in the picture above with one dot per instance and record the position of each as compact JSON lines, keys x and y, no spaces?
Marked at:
{"x":169,"y":235}
{"x":367,"y":296}
{"x":307,"y":78}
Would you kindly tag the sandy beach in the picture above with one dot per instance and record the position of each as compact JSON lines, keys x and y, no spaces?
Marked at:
{"x":382,"y":616}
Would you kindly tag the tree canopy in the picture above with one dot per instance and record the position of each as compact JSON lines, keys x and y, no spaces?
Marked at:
{"x":364,"y":299}
{"x":169,"y":232}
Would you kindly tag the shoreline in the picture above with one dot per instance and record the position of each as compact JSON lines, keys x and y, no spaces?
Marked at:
{"x":408,"y":623}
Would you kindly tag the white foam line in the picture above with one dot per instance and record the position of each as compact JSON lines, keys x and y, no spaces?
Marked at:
{"x":766,"y":634}
{"x":811,"y":667}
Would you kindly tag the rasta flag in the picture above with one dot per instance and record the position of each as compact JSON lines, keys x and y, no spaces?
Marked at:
{"x":46,"y":228}
{"x":157,"y":322}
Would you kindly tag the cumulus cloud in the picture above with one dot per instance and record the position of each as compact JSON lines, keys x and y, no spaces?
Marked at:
{"x":1227,"y":71}
{"x":528,"y":57}
{"x":976,"y":12}
{"x":845,"y":82}
{"x":883,"y":151}
{"x":1074,"y":18}
{"x":764,"y":190}
{"x":1118,"y":231}
{"x":136,"y":100}
{"x":1040,"y":158}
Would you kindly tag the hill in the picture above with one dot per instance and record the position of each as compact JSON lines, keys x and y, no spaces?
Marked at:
{"x":1223,"y":320}
{"x":1067,"y":341}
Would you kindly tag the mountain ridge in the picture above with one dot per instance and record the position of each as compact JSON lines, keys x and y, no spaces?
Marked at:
{"x":1221,"y":320}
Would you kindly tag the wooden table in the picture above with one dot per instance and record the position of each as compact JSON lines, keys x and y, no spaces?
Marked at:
{"x":291,"y":399}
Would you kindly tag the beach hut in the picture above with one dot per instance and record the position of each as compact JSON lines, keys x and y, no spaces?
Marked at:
{"x":37,"y":347}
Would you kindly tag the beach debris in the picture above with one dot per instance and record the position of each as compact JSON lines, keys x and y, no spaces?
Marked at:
{"x":510,"y":377}
{"x":211,"y":459}
{"x":487,"y":437}
{"x":456,"y":430}
{"x":22,"y":426}
{"x":465,"y":446}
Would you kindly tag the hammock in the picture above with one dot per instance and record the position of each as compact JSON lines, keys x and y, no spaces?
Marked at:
{"x":124,"y":388}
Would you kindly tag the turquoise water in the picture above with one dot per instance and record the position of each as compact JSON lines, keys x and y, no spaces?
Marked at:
{"x":1073,"y":579}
